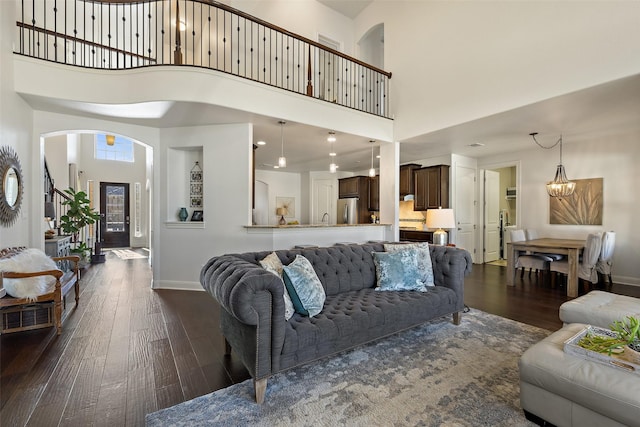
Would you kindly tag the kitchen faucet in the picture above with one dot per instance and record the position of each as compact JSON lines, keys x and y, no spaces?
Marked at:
{"x":325,"y":215}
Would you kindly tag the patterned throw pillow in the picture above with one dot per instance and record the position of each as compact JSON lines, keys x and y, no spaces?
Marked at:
{"x":398,"y":271}
{"x":305,"y":289}
{"x":272,"y":264}
{"x":421,"y":251}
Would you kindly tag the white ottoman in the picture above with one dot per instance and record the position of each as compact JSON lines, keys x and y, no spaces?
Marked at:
{"x":566,"y":390}
{"x":599,"y":308}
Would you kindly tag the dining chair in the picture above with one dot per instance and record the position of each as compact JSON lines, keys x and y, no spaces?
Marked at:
{"x":531,"y":261}
{"x":587,"y":267}
{"x":603,"y":266}
{"x":532,"y":234}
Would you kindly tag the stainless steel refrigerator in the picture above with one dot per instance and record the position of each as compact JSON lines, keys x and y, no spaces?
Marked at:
{"x":348,"y":211}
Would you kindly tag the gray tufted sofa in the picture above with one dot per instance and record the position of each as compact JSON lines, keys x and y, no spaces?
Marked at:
{"x":252,"y":318}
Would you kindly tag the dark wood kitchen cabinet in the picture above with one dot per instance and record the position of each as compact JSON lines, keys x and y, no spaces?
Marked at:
{"x":358,"y":187}
{"x":431,"y":188}
{"x":416,"y":236}
{"x":406,"y":179}
{"x":355,"y":186}
{"x":374,"y":193}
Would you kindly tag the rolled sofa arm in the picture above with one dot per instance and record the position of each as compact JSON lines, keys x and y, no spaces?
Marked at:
{"x":235,"y":283}
{"x":450,"y":266}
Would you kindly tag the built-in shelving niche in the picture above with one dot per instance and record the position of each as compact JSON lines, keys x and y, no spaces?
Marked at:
{"x":181,"y":162}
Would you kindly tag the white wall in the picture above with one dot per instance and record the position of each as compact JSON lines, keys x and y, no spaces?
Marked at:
{"x":16,"y":121}
{"x":455,"y":61}
{"x":307,"y":18}
{"x":614,"y":158}
{"x":284,"y":184}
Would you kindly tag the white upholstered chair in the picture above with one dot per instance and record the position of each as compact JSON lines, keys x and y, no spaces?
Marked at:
{"x":603,"y":266}
{"x":531,"y":261}
{"x":590,"y":255}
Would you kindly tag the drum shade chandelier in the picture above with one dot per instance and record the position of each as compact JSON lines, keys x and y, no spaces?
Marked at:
{"x":560,"y":186}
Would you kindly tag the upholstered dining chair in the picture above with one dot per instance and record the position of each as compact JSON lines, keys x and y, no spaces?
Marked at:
{"x":590,"y":255}
{"x":532,"y":234}
{"x":603,"y":266}
{"x":531,"y":261}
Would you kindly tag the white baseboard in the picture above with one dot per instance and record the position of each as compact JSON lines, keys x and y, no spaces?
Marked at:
{"x":177,"y":285}
{"x":623,"y":280}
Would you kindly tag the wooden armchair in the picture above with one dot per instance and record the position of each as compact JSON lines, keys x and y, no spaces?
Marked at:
{"x":65,"y":280}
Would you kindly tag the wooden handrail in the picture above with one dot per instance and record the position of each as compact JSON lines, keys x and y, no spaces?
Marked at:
{"x":268,"y":25}
{"x":82,"y":41}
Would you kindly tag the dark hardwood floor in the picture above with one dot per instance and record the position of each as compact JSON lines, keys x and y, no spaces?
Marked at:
{"x":127,"y":350}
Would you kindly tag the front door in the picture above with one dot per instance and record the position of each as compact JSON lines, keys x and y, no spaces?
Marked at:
{"x":114,"y":215}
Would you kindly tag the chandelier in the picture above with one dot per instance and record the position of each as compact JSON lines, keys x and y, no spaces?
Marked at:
{"x":560,"y":186}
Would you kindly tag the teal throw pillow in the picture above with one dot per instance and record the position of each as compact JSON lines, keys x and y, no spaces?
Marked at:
{"x":305,"y":289}
{"x":397,"y":271}
{"x":272,"y":264}
{"x":421,"y":251}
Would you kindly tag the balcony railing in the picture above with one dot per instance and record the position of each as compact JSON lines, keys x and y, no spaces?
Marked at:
{"x":123,"y":34}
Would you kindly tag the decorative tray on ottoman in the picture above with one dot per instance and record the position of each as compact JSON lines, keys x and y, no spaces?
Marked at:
{"x":629,"y":360}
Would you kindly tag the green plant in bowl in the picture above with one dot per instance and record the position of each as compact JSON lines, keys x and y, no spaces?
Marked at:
{"x":624,"y":333}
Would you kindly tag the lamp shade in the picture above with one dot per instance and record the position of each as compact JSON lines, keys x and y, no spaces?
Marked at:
{"x":440,"y":218}
{"x":281,"y":211}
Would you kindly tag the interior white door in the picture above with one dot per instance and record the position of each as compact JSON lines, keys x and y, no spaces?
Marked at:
{"x":491,"y":215}
{"x":261,"y":210}
{"x":324,"y":201}
{"x":465,"y":208}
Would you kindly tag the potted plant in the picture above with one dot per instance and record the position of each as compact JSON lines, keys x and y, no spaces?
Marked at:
{"x":74,"y":222}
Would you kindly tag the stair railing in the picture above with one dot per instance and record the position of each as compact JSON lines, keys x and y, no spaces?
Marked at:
{"x":125,"y":34}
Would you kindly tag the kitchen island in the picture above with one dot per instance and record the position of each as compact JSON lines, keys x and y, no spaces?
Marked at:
{"x":275,"y":237}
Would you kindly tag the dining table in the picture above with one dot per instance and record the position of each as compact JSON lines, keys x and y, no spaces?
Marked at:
{"x":569,"y":247}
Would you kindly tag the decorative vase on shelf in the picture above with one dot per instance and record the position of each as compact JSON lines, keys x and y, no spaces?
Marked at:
{"x":183,"y":214}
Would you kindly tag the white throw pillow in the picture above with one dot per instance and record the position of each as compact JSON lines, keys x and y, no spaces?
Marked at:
{"x":272,"y":264}
{"x":28,"y":261}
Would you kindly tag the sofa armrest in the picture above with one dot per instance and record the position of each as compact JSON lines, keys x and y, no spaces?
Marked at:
{"x":236,"y":285}
{"x":450,"y":266}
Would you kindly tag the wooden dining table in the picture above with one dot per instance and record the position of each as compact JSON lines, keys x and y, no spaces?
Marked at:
{"x":569,"y":247}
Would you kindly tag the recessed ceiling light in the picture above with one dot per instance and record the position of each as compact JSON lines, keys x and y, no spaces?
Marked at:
{"x":261,"y":143}
{"x":276,"y":167}
{"x":332,"y":154}
{"x":476,"y":144}
{"x":378,"y":156}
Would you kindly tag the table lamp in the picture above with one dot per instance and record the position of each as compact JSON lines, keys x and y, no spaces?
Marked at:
{"x":282,"y":212}
{"x":440,"y":219}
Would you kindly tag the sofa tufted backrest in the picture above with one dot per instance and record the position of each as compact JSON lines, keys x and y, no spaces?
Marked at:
{"x":340,"y":268}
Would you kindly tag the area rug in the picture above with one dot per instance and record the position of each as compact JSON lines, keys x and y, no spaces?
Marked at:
{"x":438,"y":374}
{"x":127,"y":254}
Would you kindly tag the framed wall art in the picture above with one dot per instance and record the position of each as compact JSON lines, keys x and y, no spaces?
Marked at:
{"x":195,"y":186}
{"x":583,"y":207}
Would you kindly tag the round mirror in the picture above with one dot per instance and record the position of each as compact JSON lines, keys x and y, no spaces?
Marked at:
{"x":11,"y":187}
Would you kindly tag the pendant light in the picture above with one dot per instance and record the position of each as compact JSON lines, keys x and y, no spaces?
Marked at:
{"x":560,"y":186}
{"x":282,"y":160}
{"x":332,"y":166}
{"x":332,"y":137}
{"x":372,"y":171}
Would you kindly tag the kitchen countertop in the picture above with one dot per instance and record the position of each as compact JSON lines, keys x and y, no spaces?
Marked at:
{"x":315,"y":225}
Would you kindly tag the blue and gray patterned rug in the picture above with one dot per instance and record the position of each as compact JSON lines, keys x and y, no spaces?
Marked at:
{"x":437,"y":374}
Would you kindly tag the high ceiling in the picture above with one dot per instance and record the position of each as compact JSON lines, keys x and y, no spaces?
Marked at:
{"x":350,"y":8}
{"x":604,"y":109}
